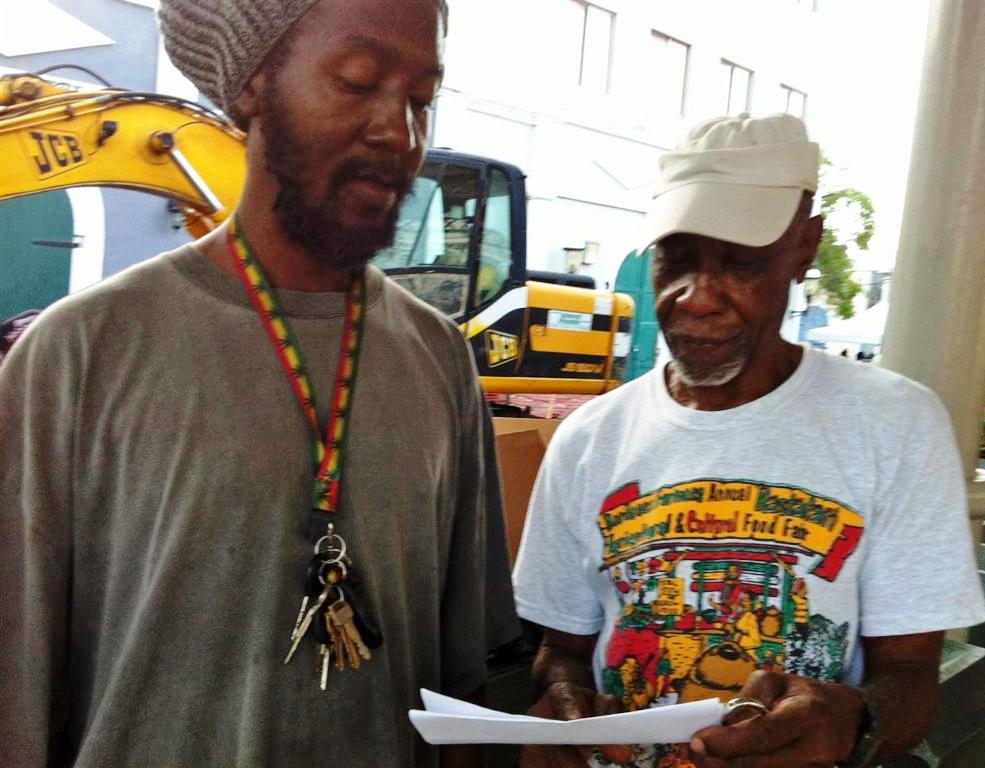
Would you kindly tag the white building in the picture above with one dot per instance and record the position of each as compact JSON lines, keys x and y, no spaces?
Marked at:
{"x":585,"y":96}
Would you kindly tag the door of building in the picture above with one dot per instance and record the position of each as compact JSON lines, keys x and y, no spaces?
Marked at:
{"x":36,"y":242}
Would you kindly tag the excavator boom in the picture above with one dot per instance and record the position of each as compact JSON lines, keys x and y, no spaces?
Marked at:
{"x":158,"y":144}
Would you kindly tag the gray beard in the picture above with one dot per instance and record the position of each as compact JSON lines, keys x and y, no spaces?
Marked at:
{"x":708,"y":377}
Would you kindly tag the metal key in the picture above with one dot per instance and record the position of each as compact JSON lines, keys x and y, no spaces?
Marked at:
{"x":321,"y":635}
{"x":342,"y":653}
{"x":302,"y":630}
{"x":351,"y":655}
{"x":325,"y":652}
{"x":312,"y":588}
{"x":342,"y":613}
{"x":297,"y":622}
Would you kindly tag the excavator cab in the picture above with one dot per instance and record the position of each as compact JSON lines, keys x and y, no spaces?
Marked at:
{"x":457,"y":234}
{"x":461,"y":247}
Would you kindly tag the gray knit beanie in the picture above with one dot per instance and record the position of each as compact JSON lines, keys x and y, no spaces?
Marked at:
{"x":219,"y":44}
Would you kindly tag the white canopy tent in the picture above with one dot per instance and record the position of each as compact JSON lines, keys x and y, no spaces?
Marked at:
{"x":865,"y":328}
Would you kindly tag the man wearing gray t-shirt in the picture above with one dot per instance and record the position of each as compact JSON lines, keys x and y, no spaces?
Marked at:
{"x":249,"y":502}
{"x":744,"y":522}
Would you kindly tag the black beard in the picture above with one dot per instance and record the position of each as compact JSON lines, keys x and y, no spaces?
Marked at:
{"x":315,"y":226}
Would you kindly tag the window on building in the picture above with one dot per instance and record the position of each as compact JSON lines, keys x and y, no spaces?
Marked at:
{"x":796,"y":101}
{"x":592,"y":27}
{"x":669,"y":73}
{"x":738,"y":81}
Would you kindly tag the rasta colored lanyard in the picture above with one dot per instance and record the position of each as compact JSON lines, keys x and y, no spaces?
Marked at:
{"x":330,"y":611}
{"x":328,"y":453}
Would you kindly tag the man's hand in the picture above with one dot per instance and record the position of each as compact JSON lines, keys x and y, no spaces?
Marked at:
{"x":566,"y":701}
{"x":816,"y":724}
{"x":809,"y":724}
{"x":562,"y":671}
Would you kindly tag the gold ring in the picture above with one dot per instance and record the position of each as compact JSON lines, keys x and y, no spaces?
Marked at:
{"x":744,"y":702}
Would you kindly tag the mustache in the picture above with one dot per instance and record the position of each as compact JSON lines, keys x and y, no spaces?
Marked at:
{"x":701,"y":335}
{"x":388,"y":171}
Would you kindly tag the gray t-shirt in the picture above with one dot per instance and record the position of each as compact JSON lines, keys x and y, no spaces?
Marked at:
{"x":157,"y":476}
{"x":702,"y":545}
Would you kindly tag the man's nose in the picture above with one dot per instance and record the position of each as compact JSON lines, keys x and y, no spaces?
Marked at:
{"x":393,"y":125}
{"x":701,"y":293}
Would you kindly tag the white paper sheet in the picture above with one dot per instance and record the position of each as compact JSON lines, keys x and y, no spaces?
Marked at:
{"x":451,"y":721}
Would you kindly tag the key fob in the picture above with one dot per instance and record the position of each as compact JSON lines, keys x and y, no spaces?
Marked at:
{"x":312,"y":581}
{"x":370,"y":633}
{"x":319,"y":631}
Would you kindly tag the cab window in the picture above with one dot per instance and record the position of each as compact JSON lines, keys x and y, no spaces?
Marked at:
{"x":495,"y":252}
{"x":434,"y":230}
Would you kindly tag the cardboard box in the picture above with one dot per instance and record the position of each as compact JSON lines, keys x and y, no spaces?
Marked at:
{"x":520,"y":444}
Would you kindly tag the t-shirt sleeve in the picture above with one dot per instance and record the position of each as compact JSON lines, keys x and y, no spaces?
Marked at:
{"x":477,"y":610}
{"x":36,"y":414}
{"x":551,"y":579}
{"x":919,"y":574}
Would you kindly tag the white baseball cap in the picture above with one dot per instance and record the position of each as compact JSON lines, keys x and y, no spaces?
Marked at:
{"x":739,"y":179}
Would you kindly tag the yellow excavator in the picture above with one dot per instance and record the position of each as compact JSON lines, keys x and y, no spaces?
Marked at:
{"x":461,"y":233}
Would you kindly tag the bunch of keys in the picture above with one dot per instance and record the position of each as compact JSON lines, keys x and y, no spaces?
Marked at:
{"x":327,"y":614}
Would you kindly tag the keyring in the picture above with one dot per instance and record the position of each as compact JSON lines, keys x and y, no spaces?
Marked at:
{"x":331,"y":545}
{"x":740,"y":703}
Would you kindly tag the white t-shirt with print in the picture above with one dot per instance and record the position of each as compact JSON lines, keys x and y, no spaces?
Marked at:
{"x":702,"y":545}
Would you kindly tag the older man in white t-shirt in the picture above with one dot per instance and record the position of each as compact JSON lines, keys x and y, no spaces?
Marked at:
{"x":753,"y":519}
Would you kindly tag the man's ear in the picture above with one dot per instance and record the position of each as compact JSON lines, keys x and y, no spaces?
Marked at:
{"x":810,"y":239}
{"x":250,"y":100}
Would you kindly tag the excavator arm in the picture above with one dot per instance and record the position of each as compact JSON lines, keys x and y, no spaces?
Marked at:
{"x":526,"y":335}
{"x":53,"y":138}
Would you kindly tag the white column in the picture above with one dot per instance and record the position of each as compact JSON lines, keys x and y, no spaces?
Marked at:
{"x":936,"y":328}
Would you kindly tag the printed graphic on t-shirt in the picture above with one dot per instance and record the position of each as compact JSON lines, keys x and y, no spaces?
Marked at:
{"x":715,"y":579}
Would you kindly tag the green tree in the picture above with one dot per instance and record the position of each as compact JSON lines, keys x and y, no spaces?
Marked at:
{"x":855,"y":218}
